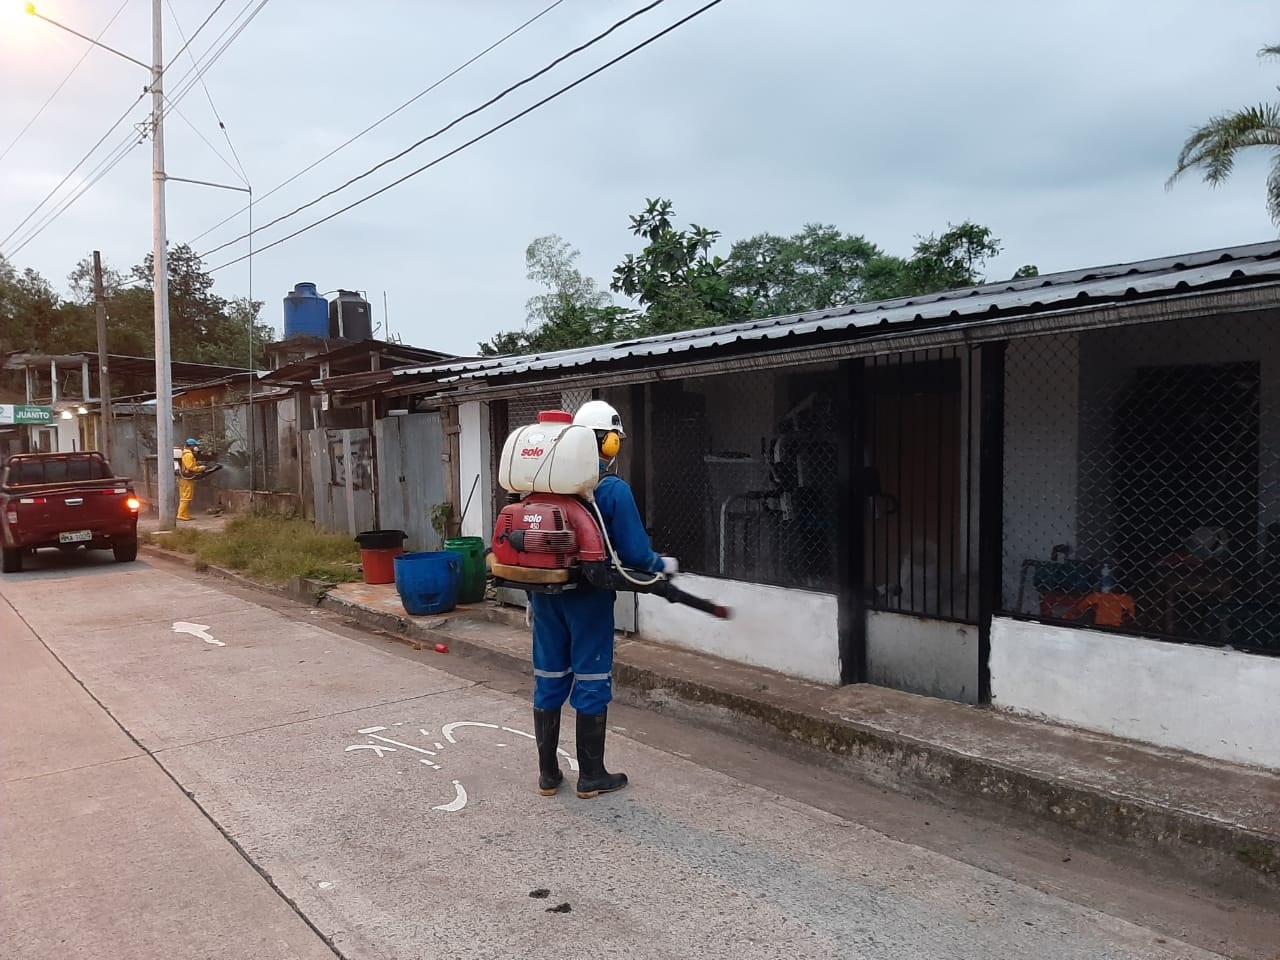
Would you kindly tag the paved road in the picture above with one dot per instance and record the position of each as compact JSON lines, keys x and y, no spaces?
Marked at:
{"x":275,"y":787}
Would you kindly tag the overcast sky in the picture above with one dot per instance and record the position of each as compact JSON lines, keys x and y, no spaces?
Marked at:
{"x":1055,"y":124}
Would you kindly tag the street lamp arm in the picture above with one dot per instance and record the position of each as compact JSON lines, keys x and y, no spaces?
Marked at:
{"x":31,"y":9}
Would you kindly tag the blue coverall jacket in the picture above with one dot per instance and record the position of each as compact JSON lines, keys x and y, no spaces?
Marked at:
{"x":573,"y":631}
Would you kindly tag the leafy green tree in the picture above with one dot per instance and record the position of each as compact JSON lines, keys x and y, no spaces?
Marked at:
{"x":573,"y":311}
{"x":204,"y":327}
{"x":681,"y":285}
{"x":10,"y":320}
{"x":951,"y":260}
{"x":821,"y":267}
{"x":1212,"y":148}
{"x":675,"y":278}
{"x":80,"y":281}
{"x":816,"y":268}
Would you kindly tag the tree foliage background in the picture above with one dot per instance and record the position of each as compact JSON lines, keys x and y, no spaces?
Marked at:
{"x":203,"y":327}
{"x":676,"y":281}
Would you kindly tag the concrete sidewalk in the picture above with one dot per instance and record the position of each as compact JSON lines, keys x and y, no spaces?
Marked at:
{"x":1211,"y":818}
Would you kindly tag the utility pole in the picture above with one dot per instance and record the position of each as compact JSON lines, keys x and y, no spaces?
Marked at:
{"x":160,"y":256}
{"x":104,"y":376}
{"x":160,"y":285}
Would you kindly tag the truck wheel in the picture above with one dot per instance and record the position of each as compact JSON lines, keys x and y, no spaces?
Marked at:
{"x":12,"y":560}
{"x":125,"y":550}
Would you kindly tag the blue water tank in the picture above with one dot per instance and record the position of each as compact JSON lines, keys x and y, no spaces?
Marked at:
{"x":306,"y":313}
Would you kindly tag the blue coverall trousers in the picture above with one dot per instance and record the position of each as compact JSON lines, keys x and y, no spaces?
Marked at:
{"x":573,"y":650}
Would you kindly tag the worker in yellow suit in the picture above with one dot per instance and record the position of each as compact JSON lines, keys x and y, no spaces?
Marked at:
{"x":189,"y":469}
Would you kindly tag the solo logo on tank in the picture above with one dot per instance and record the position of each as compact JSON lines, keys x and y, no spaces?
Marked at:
{"x":531,"y":452}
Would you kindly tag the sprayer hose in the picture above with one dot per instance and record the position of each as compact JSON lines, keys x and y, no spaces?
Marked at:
{"x":613,"y":554}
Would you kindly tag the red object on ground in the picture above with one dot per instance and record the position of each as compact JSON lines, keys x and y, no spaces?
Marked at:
{"x":379,"y":565}
{"x":441,"y":648}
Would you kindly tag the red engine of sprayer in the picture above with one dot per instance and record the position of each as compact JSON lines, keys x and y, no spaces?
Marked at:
{"x":549,"y":531}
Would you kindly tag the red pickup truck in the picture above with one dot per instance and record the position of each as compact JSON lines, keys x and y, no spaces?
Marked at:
{"x":68,"y":501}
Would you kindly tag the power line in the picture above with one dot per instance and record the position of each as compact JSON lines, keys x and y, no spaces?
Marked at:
{"x":119,"y":152}
{"x":186,"y":41}
{"x":208,"y":143}
{"x":199,"y":73}
{"x":492,"y":130}
{"x":70,"y":73}
{"x":104,"y":167}
{"x":453,"y":123}
{"x":386,"y":117}
{"x":209,"y":96}
{"x":124,"y":116}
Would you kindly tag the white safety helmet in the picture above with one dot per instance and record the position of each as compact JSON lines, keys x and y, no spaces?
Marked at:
{"x":600,"y":416}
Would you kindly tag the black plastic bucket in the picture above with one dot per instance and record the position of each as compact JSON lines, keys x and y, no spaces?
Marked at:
{"x":381,"y":539}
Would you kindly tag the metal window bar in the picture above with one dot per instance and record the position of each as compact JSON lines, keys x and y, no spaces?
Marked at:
{"x":921,"y":425}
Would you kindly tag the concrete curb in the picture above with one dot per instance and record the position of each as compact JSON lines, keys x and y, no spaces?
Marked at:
{"x":1199,"y":841}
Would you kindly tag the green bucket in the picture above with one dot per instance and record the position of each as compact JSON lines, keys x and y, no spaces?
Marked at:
{"x":474,"y":572}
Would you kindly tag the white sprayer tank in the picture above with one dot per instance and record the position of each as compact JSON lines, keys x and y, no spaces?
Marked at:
{"x":550,"y":456}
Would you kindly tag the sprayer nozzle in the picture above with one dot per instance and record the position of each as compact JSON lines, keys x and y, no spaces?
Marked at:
{"x":723,"y":613}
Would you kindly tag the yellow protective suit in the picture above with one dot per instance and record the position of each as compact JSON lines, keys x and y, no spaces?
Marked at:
{"x":187,"y":487}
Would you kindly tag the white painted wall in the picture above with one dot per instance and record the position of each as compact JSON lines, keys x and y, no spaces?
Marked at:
{"x":791,"y":631}
{"x":935,"y":658}
{"x":473,"y":461}
{"x":68,"y":434}
{"x":1219,"y":703}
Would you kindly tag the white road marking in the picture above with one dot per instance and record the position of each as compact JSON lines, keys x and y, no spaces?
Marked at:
{"x":379,"y":750}
{"x":448,"y":728}
{"x":200,"y":630}
{"x":407,"y":746}
{"x":458,"y":802}
{"x":371,"y":730}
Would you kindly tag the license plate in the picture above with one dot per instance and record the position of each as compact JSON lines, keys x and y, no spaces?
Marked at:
{"x":75,"y":536}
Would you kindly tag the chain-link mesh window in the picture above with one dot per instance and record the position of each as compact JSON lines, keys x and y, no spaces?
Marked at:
{"x":920,"y":424}
{"x":1142,"y":480}
{"x":740,"y":475}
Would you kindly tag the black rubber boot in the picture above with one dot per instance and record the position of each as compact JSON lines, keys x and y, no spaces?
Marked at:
{"x":593,"y":778}
{"x":546,"y":731}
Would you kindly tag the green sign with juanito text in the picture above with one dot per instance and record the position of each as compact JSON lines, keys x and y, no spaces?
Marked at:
{"x":23,"y":413}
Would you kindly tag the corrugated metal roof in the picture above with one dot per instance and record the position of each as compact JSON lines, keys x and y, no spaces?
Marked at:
{"x":1236,"y":266}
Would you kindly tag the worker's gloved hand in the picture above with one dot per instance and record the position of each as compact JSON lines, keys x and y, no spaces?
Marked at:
{"x":670,"y":566}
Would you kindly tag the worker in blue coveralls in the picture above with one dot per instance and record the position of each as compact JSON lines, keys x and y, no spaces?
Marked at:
{"x":573,"y":630}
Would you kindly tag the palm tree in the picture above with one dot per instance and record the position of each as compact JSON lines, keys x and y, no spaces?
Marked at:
{"x":1212,"y":148}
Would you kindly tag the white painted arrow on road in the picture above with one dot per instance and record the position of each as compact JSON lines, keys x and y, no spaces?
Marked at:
{"x":200,"y":630}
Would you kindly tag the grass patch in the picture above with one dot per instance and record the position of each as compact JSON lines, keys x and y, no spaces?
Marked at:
{"x":271,"y":549}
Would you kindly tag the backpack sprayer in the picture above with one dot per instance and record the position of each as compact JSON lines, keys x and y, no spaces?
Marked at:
{"x":554,"y":537}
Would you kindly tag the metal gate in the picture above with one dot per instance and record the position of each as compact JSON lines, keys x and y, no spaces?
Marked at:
{"x":342,"y":478}
{"x":410,"y":476}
